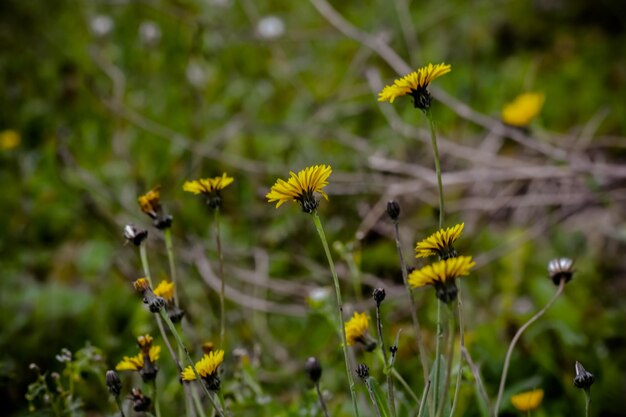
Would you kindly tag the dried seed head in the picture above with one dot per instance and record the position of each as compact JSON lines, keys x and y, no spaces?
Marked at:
{"x":363,"y":371}
{"x":113,"y":382}
{"x":313,"y":368}
{"x":140,"y":401}
{"x":393,"y":210}
{"x":379,"y":295}
{"x":134,"y":235}
{"x":561,"y":269}
{"x":583,"y":379}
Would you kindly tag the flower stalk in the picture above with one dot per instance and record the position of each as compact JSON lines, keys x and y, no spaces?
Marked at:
{"x":331,"y":264}
{"x":220,"y":255}
{"x":507,"y":360}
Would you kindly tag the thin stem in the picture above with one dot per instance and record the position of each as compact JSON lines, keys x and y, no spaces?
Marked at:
{"x":372,"y":396}
{"x":119,"y":406}
{"x":449,"y":359}
{"x":170,"y":257}
{"x":433,"y":139}
{"x":144,"y":262}
{"x":521,"y":330}
{"x":331,"y":264}
{"x":220,"y":255}
{"x":587,"y":401}
{"x":476,"y":374}
{"x":196,"y":401}
{"x":321,"y":399}
{"x":155,"y":399}
{"x":168,"y":344}
{"x":220,"y":397}
{"x":424,"y":396}
{"x":459,"y":316}
{"x":390,"y":394}
{"x":172,"y":328}
{"x":418,"y":331}
{"x":404,"y":384}
{"x":437,"y":362}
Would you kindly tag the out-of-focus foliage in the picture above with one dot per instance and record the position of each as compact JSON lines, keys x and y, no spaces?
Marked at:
{"x":111,"y":98}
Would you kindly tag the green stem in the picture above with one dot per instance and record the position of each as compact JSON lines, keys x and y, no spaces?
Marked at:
{"x":331,"y":264}
{"x":155,"y":399}
{"x":437,"y":362}
{"x":433,"y":139}
{"x":144,"y":263}
{"x":119,"y":406}
{"x":220,"y":397}
{"x":381,"y":340}
{"x":507,"y":360}
{"x":423,"y":401}
{"x":372,"y":396}
{"x":404,"y":384}
{"x":449,"y":359}
{"x":196,"y":401}
{"x":416,"y":324}
{"x":173,"y":330}
{"x":321,"y":399}
{"x":222,"y":284}
{"x":587,"y":401}
{"x":462,"y":352}
{"x":170,"y":257}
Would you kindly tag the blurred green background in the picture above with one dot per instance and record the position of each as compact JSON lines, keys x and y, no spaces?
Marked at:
{"x":103,"y":100}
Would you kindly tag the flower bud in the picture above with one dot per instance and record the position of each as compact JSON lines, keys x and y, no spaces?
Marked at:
{"x":393,"y":210}
{"x":561,"y":268}
{"x":113,"y":382}
{"x":313,"y":368}
{"x":583,"y":379}
{"x":363,"y":371}
{"x":379,"y":295}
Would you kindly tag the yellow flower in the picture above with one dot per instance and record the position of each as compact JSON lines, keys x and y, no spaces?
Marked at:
{"x":356,"y":328}
{"x":135,"y":363}
{"x":441,"y":275}
{"x":301,"y":187}
{"x":208,"y":185}
{"x":415,"y":84}
{"x":523,"y":109}
{"x":442,"y":271}
{"x":9,"y":139}
{"x":527,"y":401}
{"x":145,"y":341}
{"x":141,"y":285}
{"x":207,"y":366}
{"x":150,"y":202}
{"x":440,"y":243}
{"x":165,"y":289}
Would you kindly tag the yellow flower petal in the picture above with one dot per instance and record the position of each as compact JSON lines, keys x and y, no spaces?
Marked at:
{"x":439,"y":243}
{"x":442,"y":271}
{"x":356,"y":327}
{"x":301,"y":187}
{"x":414,"y":81}
{"x":527,"y":401}
{"x":523,"y":109}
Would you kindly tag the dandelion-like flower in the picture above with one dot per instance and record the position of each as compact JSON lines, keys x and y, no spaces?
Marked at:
{"x":527,"y":401}
{"x":207,"y":368}
{"x":9,"y":139}
{"x":441,"y":275}
{"x":301,"y":187}
{"x":440,"y":243}
{"x":154,"y":302}
{"x":144,"y":362}
{"x":523,"y":109}
{"x":150,"y":203}
{"x":209,"y":187}
{"x":165,"y":290}
{"x":415,"y":84}
{"x":356,"y":331}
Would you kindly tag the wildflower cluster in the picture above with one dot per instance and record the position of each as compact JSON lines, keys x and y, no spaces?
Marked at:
{"x":441,"y":274}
